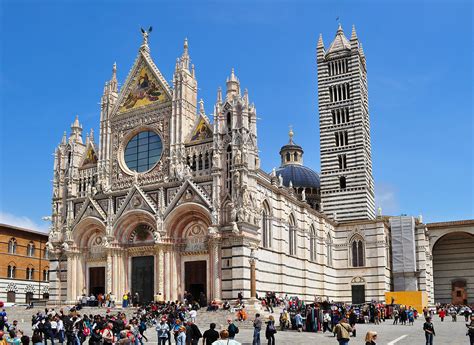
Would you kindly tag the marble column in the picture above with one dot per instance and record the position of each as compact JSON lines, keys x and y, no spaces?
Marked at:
{"x":71,"y":267}
{"x":108,"y":273}
{"x":253,"y":280}
{"x":161,"y":271}
{"x":215,"y":271}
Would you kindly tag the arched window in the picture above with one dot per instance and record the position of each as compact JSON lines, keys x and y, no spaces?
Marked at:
{"x":31,"y":249}
{"x":312,"y":244}
{"x":229,"y":122}
{"x":292,"y":240}
{"x":12,"y":246}
{"x":266,"y":226}
{"x":30,"y":271}
{"x":288,"y":157}
{"x":11,"y":271}
{"x":357,"y":252}
{"x":46,"y":275}
{"x":329,"y":250}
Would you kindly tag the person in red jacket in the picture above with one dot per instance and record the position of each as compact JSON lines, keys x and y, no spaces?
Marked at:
{"x":442,"y":314}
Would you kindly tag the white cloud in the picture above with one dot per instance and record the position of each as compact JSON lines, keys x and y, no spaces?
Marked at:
{"x":386,"y":198}
{"x":23,"y":222}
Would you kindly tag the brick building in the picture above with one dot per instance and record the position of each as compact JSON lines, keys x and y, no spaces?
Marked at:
{"x":24,"y":264}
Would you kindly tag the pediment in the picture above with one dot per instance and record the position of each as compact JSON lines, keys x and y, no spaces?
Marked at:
{"x":202,"y":131}
{"x":89,"y":157}
{"x":136,"y":199}
{"x":145,"y":86}
{"x":189,"y":192}
{"x":90,"y":208}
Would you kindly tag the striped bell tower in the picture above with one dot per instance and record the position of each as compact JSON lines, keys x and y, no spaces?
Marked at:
{"x":347,"y":185}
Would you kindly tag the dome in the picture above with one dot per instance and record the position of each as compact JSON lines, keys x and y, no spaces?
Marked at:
{"x":299,"y":175}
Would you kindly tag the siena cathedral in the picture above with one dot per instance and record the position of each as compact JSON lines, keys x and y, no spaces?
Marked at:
{"x":168,"y":199}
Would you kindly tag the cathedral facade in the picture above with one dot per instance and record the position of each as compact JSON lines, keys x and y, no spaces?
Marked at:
{"x":170,"y":199}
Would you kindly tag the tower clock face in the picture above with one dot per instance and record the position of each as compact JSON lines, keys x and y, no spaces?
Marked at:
{"x":143,"y":151}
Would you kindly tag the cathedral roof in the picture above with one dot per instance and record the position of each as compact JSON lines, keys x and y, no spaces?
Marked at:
{"x":340,"y":43}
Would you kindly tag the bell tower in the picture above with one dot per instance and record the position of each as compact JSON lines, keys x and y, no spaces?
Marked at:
{"x":347,"y":185}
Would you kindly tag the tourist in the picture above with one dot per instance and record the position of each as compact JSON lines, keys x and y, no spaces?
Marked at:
{"x":342,"y":331}
{"x":326,"y":321}
{"x":37,"y":338}
{"x":299,"y":322}
{"x":192,"y":315}
{"x":225,"y":340}
{"x":108,"y":335}
{"x":181,"y":337}
{"x":270,"y":330}
{"x":12,"y":338}
{"x":162,"y":330}
{"x":353,"y":321}
{"x":211,"y":335}
{"x":470,"y":330}
{"x":125,"y":300}
{"x":3,"y":319}
{"x":193,"y":334}
{"x":370,"y":338}
{"x":257,"y":327}
{"x":442,"y":314}
{"x":24,"y":339}
{"x":429,"y":331}
{"x":395,"y":316}
{"x":95,"y":337}
{"x":232,"y":329}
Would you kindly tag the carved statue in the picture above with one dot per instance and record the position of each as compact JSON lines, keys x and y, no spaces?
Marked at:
{"x":156,"y":237}
{"x":215,"y":160}
{"x":280,"y":180}
{"x":233,"y":212}
{"x":303,"y":195}
{"x":246,"y":198}
{"x":145,"y":34}
{"x":237,"y":179}
{"x":238,"y":157}
{"x":65,"y":246}
{"x":235,"y":228}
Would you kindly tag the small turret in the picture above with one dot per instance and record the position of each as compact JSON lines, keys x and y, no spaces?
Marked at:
{"x":76,"y":131}
{"x":233,"y":85}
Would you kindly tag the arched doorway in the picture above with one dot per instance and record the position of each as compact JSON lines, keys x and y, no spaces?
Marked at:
{"x":453,"y":276}
{"x":11,"y":296}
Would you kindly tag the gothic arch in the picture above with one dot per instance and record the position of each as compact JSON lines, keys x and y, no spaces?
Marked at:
{"x":292,"y":235}
{"x":128,"y":222}
{"x":85,"y":229}
{"x":180,"y":218}
{"x":313,"y":243}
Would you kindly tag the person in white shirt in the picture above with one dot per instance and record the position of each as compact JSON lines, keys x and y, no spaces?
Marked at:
{"x":192,"y":315}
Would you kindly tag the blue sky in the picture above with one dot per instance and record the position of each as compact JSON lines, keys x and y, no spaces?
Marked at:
{"x":56,"y":56}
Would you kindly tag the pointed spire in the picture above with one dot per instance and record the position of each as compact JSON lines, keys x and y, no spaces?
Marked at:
{"x":76,"y":130}
{"x":185,"y":56}
{"x":201,"y":107}
{"x":340,"y":42}
{"x":219,"y":95}
{"x":339,"y":30}
{"x":76,"y":123}
{"x":354,"y":33}
{"x":192,"y":71}
{"x":320,"y":41}
{"x":91,"y":135}
{"x":63,"y":140}
{"x":145,"y":33}
{"x":87,"y":139}
{"x":113,"y":81}
{"x":246,"y":96}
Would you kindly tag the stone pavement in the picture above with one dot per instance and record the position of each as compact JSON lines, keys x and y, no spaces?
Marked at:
{"x":448,"y":333}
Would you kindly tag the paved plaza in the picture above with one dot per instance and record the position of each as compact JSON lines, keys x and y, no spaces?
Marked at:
{"x":447,"y":332}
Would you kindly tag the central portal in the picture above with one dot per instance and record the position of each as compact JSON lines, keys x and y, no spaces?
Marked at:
{"x":97,"y":280}
{"x":195,"y":278}
{"x":143,"y":278}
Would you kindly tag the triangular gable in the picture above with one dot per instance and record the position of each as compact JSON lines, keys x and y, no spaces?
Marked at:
{"x":145,"y":85}
{"x":90,"y":208}
{"x":189,"y":192}
{"x":90,"y":157}
{"x":136,"y":199}
{"x":202,"y":130}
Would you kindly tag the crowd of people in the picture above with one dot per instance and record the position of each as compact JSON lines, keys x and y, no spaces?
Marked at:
{"x":175,"y":322}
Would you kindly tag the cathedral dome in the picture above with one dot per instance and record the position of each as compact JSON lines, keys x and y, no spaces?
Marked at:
{"x":299,"y":175}
{"x":292,"y":168}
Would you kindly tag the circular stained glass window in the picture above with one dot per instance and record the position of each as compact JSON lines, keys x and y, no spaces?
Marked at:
{"x":143,"y":151}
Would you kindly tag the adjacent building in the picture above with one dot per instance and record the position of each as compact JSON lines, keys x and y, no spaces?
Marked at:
{"x":24,"y":264}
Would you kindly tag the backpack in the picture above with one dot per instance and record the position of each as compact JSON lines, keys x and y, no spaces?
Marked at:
{"x":233,"y":328}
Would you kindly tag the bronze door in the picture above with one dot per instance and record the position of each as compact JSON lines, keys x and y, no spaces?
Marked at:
{"x":11,"y":296}
{"x":195,"y":278}
{"x":97,"y":280}
{"x":358,"y":294}
{"x":143,"y":280}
